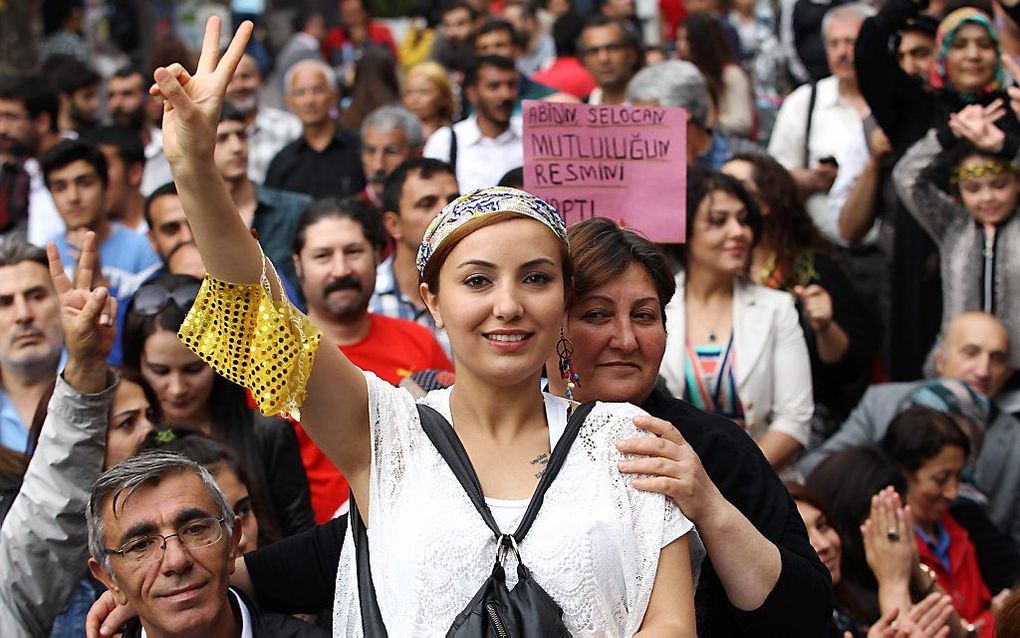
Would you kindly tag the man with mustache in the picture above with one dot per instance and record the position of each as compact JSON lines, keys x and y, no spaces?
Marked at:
{"x":31,"y":341}
{"x":323,"y":162}
{"x":486,"y":145}
{"x":271,"y":213}
{"x":390,"y":135}
{"x":126,"y":98}
{"x":337,"y":247}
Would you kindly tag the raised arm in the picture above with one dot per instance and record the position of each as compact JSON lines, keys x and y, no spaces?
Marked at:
{"x":933,"y":209}
{"x":335,"y":409}
{"x":43,"y":540}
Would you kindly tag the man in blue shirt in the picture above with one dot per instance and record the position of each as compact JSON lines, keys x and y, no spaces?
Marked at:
{"x":31,"y":342}
{"x":76,"y":174}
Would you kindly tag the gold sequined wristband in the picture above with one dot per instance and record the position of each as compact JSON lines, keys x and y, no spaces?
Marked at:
{"x":265,"y":345}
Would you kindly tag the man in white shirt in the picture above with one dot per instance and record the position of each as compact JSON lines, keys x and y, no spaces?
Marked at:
{"x":819,"y":122}
{"x":163,"y":539}
{"x":489,"y":143}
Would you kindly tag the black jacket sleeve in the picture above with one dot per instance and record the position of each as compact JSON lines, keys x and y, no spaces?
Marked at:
{"x":285,"y":474}
{"x":744,"y":477}
{"x":897,"y":100}
{"x":841,"y":385}
{"x":298,"y":574}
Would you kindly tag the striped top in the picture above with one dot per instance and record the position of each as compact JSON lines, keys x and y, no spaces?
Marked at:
{"x":711,"y":381}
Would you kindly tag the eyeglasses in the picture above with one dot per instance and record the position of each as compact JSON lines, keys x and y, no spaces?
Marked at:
{"x":151,"y":299}
{"x":195,"y":534}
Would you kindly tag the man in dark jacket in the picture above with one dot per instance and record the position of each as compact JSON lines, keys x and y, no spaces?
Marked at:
{"x":163,"y":538}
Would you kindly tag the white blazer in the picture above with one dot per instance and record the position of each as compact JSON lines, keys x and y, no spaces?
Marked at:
{"x":772,"y":366}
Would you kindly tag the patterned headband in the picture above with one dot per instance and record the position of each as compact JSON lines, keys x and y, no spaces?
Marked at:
{"x":991,"y":167}
{"x":480,"y":203}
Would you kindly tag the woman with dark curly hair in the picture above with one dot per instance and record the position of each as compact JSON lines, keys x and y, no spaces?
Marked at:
{"x":792,"y":256}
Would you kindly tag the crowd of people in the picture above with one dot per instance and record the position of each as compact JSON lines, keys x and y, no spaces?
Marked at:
{"x":266,"y":307}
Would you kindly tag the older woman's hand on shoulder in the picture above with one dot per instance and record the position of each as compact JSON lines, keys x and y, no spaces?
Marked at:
{"x":747,"y":563}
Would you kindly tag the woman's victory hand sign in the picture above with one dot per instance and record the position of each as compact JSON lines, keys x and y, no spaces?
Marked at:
{"x":192,"y":103}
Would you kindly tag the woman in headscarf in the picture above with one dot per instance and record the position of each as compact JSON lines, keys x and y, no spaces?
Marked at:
{"x":966,"y":70}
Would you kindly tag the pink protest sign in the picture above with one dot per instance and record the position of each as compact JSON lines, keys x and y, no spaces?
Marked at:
{"x":627,"y":163}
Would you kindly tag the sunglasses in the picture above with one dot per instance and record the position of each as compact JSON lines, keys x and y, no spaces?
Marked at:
{"x":153,"y":298}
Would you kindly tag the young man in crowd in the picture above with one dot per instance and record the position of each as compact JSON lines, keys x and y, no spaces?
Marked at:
{"x":125,"y":160}
{"x":455,"y":43}
{"x":611,"y":51}
{"x":390,"y":135}
{"x":323,"y":162}
{"x":29,"y":107}
{"x":537,"y":46}
{"x":31,"y":341}
{"x":78,"y":85}
{"x":269,"y":129}
{"x":273,"y":214}
{"x":336,"y":253}
{"x":497,"y":37}
{"x":126,"y":98}
{"x":415,"y":193}
{"x":344,"y":42}
{"x":483,"y":147}
{"x":77,"y":176}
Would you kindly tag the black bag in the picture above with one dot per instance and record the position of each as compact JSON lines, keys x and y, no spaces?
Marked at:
{"x":495,"y":611}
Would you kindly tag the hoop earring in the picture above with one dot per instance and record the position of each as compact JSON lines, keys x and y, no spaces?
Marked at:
{"x":564,"y":350}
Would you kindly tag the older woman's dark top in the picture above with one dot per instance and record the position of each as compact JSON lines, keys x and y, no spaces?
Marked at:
{"x":801,"y":602}
{"x":297,"y":575}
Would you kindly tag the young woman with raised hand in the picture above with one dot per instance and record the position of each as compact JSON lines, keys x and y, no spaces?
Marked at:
{"x":496,"y":274}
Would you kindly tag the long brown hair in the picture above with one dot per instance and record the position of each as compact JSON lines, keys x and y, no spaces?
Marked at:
{"x":787,"y":224}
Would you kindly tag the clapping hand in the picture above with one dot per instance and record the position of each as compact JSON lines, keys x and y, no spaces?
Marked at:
{"x":1014,"y":92}
{"x":888,"y":537}
{"x":87,"y":315}
{"x":927,"y":619}
{"x":976,"y":124}
{"x":192,"y":103}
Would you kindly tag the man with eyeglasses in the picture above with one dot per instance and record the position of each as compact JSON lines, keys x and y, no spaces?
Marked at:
{"x":611,"y":51}
{"x":324,"y":161}
{"x":163,"y":539}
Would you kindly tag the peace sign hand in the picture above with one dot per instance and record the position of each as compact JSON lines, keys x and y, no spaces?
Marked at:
{"x":192,"y":103}
{"x":87,"y":316}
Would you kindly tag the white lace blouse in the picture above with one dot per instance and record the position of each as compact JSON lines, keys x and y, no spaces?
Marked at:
{"x":594,"y":546}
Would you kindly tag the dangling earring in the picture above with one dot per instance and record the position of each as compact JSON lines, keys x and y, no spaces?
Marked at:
{"x":564,"y":349}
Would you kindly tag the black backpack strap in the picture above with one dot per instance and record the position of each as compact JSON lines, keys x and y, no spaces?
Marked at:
{"x":371,"y":619}
{"x":441,"y":433}
{"x":807,"y":129}
{"x":453,"y":150}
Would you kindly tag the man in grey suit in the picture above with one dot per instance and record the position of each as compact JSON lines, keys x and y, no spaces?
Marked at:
{"x":975,"y":350}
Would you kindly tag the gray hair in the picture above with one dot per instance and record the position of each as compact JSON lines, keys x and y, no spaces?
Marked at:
{"x":144,"y":469}
{"x":320,"y":66}
{"x":393,"y":116}
{"x":15,"y":250}
{"x":672,"y":83}
{"x":859,"y":10}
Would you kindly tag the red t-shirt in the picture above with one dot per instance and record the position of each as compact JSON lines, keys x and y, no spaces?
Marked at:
{"x":393,"y":349}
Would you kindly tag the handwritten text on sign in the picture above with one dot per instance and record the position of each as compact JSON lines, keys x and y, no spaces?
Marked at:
{"x":627,"y":163}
